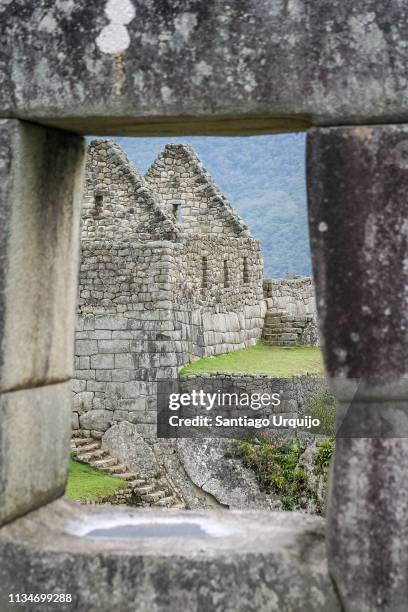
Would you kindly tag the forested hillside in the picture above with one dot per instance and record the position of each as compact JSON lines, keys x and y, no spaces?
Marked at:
{"x":263,"y":177}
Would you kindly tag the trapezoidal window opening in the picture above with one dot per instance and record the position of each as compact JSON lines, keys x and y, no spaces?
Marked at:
{"x":204,"y":268}
{"x":98,"y":201}
{"x":226,"y":274}
{"x":245,"y":271}
{"x":178,"y":213}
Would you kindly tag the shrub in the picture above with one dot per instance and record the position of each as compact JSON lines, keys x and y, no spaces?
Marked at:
{"x":277,"y":468}
{"x":324,"y":454}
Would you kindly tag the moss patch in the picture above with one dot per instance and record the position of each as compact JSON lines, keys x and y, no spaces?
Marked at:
{"x":87,"y":484}
{"x":263,"y":359}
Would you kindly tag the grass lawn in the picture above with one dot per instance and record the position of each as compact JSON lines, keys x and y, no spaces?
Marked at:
{"x":262,"y":359}
{"x":87,"y":484}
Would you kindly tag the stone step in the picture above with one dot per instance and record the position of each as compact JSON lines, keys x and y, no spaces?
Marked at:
{"x":277,"y":334}
{"x":104,"y":463}
{"x":134,"y":484}
{"x":115,"y":470}
{"x":287,"y":343}
{"x":144,"y":490}
{"x":84,"y":441}
{"x":76,"y":433}
{"x":282,"y":336}
{"x":89,"y":451}
{"x":131,"y":477}
{"x":154,"y":497}
{"x":166,"y":502}
{"x":272,"y":320}
{"x":88,"y":448}
{"x":282,"y":330}
{"x":96,"y":454}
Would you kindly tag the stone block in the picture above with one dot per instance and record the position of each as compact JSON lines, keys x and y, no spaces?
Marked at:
{"x":78,"y":385}
{"x":113,"y":346}
{"x":100,"y":420}
{"x":102,"y":362}
{"x":86,"y":347}
{"x":246,"y":561}
{"x":74,"y":420}
{"x":110,"y":322}
{"x":103,"y":375}
{"x":124,"y":441}
{"x":96,"y":386}
{"x":35,"y":430}
{"x":124,"y":360}
{"x":83,"y":401}
{"x":40,"y":175}
{"x":84,"y":363}
{"x":139,"y":404}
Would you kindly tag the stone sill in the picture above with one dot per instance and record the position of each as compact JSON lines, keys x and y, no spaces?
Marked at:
{"x":264,"y":562}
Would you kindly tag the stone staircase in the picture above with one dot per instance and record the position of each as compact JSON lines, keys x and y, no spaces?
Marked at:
{"x":140,"y":490}
{"x":283,"y":329}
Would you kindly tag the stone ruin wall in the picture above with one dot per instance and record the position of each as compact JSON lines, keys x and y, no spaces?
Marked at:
{"x":143,"y":311}
{"x":216,"y":318}
{"x":295,"y":295}
{"x":297,"y":393}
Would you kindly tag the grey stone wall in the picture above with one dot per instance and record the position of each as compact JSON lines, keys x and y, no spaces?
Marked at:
{"x":187,"y":190}
{"x":147,"y":303}
{"x":296,"y":392}
{"x":295,"y":295}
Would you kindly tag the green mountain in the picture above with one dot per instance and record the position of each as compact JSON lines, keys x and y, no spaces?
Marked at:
{"x":264,"y":178}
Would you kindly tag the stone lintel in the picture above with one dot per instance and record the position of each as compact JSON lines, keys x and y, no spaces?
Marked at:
{"x":222,"y":68}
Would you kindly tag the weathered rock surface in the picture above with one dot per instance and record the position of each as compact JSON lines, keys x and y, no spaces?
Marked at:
{"x":317,"y":479}
{"x":34,"y":447}
{"x":368,"y":524}
{"x":124,"y":442}
{"x":40,"y":178}
{"x":258,"y":563}
{"x":225,"y":479}
{"x":357,"y":183}
{"x":99,"y":420}
{"x":191,"y":67}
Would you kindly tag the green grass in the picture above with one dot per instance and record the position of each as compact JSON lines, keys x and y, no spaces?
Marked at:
{"x":262,"y":359}
{"x":87,"y":484}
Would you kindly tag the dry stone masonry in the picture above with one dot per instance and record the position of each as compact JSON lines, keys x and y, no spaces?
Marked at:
{"x":239,"y":68}
{"x":169,"y":273}
{"x":291,"y":317}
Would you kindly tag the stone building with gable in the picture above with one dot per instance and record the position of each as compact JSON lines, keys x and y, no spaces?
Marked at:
{"x":169,"y":273}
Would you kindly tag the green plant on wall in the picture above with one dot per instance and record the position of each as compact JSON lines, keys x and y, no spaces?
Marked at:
{"x":279,"y":469}
{"x":276,"y":467}
{"x":323,"y":408}
{"x":324,"y":455}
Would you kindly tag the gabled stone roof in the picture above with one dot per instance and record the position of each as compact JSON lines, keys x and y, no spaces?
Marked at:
{"x":178,"y":177}
{"x":129,"y":210}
